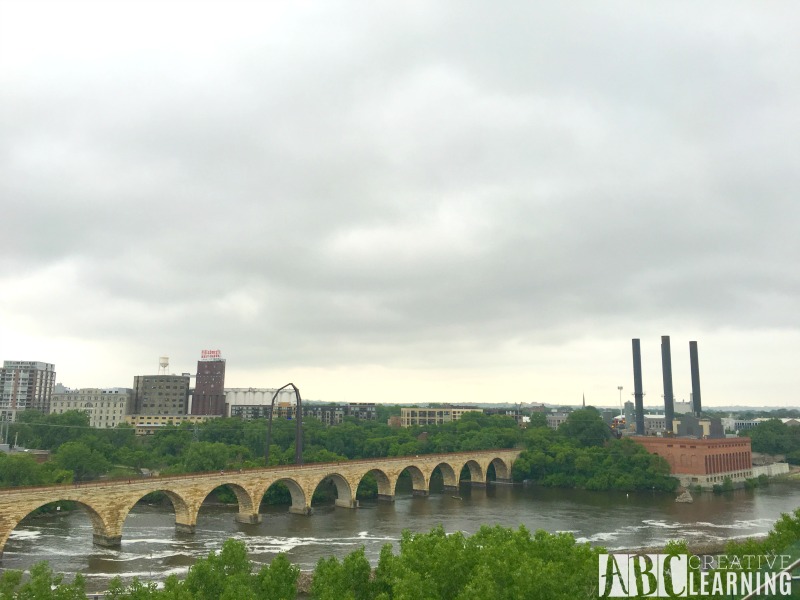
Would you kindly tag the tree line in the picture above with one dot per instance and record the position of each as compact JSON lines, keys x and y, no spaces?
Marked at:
{"x":581,"y":453}
{"x":775,"y":437}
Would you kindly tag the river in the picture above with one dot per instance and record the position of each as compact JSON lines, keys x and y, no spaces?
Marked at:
{"x":151,"y":549}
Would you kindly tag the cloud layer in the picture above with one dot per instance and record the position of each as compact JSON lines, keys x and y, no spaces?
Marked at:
{"x":386,"y":199}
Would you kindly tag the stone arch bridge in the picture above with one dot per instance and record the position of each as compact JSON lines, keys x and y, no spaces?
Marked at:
{"x":109,"y":502}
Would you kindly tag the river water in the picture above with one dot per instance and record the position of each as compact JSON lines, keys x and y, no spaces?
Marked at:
{"x":151,"y":549}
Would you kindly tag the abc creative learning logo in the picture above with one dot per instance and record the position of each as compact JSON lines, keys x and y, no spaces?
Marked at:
{"x":682,"y":575}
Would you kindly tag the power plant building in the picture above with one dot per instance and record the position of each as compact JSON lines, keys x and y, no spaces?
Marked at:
{"x":703,"y":462}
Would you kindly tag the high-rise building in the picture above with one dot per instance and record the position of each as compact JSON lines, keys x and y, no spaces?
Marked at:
{"x":208,"y":397}
{"x":25,"y":385}
{"x":160,"y":394}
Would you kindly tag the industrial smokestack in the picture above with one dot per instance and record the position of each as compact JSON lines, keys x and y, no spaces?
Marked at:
{"x":666,"y":369}
{"x":638,"y":394}
{"x":696,"y":405}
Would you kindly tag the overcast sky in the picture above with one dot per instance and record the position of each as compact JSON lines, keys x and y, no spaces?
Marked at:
{"x":405,"y":201}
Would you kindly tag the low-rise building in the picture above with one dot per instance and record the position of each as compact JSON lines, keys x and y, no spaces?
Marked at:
{"x":365,"y":411}
{"x":736,"y":425}
{"x":556,"y":419}
{"x":655,"y":424}
{"x":149,"y":424}
{"x":331,"y":414}
{"x":413,"y":416}
{"x":255,"y":403}
{"x":106,"y":407}
{"x":515,"y":413}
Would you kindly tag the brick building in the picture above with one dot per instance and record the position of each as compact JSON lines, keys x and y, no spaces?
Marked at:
{"x":703,"y":462}
{"x":208,"y":397}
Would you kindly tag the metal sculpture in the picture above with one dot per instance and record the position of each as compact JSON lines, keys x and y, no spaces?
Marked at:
{"x":298,"y":443}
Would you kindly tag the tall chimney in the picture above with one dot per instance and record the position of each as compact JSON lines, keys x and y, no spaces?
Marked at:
{"x":696,"y":405}
{"x":637,"y":387}
{"x":666,"y":369}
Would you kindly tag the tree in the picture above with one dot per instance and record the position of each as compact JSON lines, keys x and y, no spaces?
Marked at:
{"x":43,"y":584}
{"x":209,"y":578}
{"x":585,"y":427}
{"x":772,"y":437}
{"x":84,"y":462}
{"x":278,"y":580}
{"x":537,"y":419}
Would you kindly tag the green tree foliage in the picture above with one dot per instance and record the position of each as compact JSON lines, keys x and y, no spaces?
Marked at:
{"x":585,"y":428}
{"x":227,"y":575}
{"x":348,"y":579}
{"x":554,"y":460}
{"x":775,"y":437}
{"x":83,"y":461}
{"x":278,"y":580}
{"x":42,"y":584}
{"x":494,"y":563}
{"x":212,"y":456}
{"x":22,"y":469}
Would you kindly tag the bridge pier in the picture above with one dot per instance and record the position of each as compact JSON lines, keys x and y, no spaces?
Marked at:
{"x":504,"y":481}
{"x":419,"y":493}
{"x":300,"y":510}
{"x":248,"y":519}
{"x":478,"y":484}
{"x":107,"y":541}
{"x":346,"y":503}
{"x":385,"y":497}
{"x":184,"y":528}
{"x":450,"y":488}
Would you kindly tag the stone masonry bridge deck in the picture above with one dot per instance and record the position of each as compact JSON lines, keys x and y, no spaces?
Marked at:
{"x":109,"y":502}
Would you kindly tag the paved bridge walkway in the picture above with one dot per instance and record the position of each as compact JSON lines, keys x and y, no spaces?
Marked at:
{"x":109,"y":502}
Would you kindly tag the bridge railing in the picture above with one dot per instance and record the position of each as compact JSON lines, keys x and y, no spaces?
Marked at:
{"x":274,"y":468}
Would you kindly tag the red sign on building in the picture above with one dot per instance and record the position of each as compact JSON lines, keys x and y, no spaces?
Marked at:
{"x":210,"y":354}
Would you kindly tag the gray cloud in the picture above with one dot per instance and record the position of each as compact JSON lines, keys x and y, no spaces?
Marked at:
{"x":414,"y":186}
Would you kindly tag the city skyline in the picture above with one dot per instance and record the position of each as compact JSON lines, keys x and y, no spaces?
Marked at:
{"x":424,"y":202}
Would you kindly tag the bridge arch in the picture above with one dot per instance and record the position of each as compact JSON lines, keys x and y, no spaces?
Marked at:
{"x":299,"y":504}
{"x":419,"y":481}
{"x":344,"y":492}
{"x":386,"y":484}
{"x":104,"y":532}
{"x":449,"y":476}
{"x":477,"y":475}
{"x":185,"y":512}
{"x":502,"y":469}
{"x":243,"y":496}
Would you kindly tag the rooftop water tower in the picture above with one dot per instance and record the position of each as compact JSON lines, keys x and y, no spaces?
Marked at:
{"x":163,"y":365}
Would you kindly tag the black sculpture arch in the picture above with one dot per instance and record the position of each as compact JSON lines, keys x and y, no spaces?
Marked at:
{"x":298,"y":435}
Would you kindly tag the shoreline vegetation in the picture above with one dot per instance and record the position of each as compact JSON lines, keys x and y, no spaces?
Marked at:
{"x":495,"y":562}
{"x":582,"y":453}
